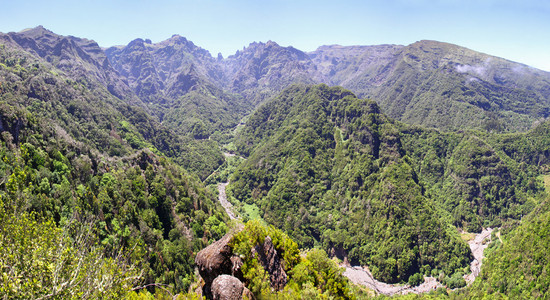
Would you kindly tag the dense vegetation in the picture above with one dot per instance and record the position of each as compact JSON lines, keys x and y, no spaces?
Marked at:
{"x":103,"y":152}
{"x":313,"y":276}
{"x":518,"y":267}
{"x":477,"y":184}
{"x":72,"y":153}
{"x":329,"y":168}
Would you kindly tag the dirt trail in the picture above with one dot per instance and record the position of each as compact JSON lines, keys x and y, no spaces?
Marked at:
{"x":223,"y":200}
{"x":227,"y":154}
{"x":363,"y":276}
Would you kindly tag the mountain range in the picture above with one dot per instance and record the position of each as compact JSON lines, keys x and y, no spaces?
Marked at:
{"x":428,"y":83}
{"x":380,"y":155}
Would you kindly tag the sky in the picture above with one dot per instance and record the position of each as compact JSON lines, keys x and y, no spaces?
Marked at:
{"x":516,"y":30}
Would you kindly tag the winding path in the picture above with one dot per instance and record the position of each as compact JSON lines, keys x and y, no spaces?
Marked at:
{"x":363,"y":276}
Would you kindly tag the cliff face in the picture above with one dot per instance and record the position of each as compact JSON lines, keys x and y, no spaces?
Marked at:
{"x":267,"y":256}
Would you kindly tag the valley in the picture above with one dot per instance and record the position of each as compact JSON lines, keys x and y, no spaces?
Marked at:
{"x":401,"y":158}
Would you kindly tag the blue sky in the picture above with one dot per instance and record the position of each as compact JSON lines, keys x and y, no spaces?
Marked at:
{"x":516,"y":30}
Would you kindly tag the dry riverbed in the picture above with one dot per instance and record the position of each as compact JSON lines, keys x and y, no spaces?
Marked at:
{"x":223,"y":200}
{"x":362,"y":275}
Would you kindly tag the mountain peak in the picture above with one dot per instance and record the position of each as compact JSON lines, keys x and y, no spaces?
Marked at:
{"x":433,"y":45}
{"x":176,"y":38}
{"x":36,"y":32}
{"x":137,"y":43}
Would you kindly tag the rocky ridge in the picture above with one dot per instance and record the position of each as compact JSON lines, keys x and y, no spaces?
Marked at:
{"x":428,"y":83}
{"x":80,"y":58}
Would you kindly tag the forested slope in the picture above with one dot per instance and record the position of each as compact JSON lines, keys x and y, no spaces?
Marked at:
{"x":330,"y":168}
{"x":440,"y":85}
{"x":73,"y":152}
{"x":518,"y":267}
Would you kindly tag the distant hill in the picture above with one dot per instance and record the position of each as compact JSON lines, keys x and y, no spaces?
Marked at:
{"x":262,"y":70}
{"x":440,"y":85}
{"x":429,"y":83}
{"x":181,"y":83}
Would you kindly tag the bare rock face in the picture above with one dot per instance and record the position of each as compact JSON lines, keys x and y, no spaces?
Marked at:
{"x":222,"y":274}
{"x":267,"y":255}
{"x":227,"y":287}
{"x":215,"y":260}
{"x":236,"y":265}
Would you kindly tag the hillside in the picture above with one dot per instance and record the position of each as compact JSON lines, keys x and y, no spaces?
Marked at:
{"x":333,"y":171}
{"x":518,"y":266}
{"x":83,"y":163}
{"x":330,"y":169}
{"x":477,"y":184}
{"x":440,"y":85}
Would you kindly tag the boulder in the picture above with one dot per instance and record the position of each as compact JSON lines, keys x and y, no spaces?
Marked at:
{"x":227,"y":287}
{"x":215,"y":259}
{"x":218,"y":259}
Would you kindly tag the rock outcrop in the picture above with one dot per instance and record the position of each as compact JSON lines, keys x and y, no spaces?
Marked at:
{"x":267,"y":256}
{"x":222,"y":274}
{"x":216,"y":260}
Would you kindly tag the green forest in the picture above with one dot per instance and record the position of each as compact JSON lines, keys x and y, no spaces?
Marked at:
{"x":113,"y":162}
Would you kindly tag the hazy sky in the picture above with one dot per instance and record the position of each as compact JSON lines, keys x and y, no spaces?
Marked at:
{"x":517,"y":30}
